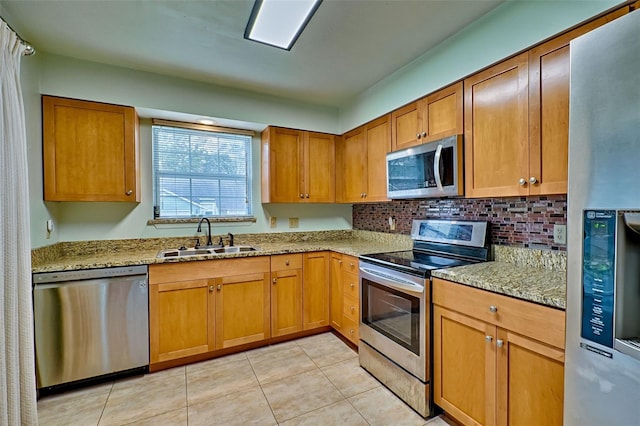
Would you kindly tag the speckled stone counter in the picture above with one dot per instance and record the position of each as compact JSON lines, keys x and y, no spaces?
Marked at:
{"x":102,"y":254}
{"x":534,"y":275}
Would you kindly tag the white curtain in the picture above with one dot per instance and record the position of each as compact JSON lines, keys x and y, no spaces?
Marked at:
{"x":17,"y":368}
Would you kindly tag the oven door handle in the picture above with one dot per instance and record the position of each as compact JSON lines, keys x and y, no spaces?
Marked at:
{"x":393,"y":282}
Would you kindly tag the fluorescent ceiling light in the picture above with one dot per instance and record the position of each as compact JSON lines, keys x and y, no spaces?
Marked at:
{"x":279,"y":23}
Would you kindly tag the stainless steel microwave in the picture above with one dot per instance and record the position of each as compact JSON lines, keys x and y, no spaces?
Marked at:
{"x":433,"y":169}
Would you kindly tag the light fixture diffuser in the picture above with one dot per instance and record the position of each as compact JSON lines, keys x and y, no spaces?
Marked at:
{"x":279,"y":23}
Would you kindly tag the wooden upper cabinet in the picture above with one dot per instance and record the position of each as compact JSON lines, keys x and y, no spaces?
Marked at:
{"x":378,"y":136}
{"x":351,"y":154}
{"x":319,"y":178}
{"x":433,"y":117}
{"x":496,"y":130}
{"x":361,"y":162}
{"x":90,"y":151}
{"x":549,"y":109}
{"x":297,"y":166}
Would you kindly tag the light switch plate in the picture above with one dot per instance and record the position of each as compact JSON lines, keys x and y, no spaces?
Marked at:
{"x":293,"y":222}
{"x":560,"y":234}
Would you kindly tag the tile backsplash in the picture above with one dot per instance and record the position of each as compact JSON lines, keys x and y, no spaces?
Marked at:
{"x":516,"y":221}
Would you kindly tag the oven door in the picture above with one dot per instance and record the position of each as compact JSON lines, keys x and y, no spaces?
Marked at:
{"x":394,"y":316}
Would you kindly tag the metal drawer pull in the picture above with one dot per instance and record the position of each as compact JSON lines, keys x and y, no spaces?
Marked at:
{"x":129,"y":192}
{"x":219,"y":287}
{"x":352,"y":285}
{"x":210,"y":289}
{"x":488,"y":338}
{"x":286,"y":263}
{"x":493,"y":308}
{"x":274,"y":280}
{"x":499,"y":343}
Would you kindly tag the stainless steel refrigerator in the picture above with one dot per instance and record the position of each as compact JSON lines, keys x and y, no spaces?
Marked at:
{"x":602,"y":365}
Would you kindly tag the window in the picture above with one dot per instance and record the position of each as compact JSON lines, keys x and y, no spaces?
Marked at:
{"x":200,"y":172}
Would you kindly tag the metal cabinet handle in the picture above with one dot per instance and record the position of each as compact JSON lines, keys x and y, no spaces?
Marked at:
{"x":340,"y":262}
{"x":351,"y":264}
{"x":353,"y":308}
{"x":424,"y":134}
{"x":274,"y":280}
{"x":493,"y":309}
{"x":129,"y":192}
{"x":533,"y":180}
{"x":499,"y":343}
{"x":210,"y":289}
{"x":301,"y":195}
{"x":352,"y":331}
{"x":286,"y":263}
{"x":365,"y":195}
{"x":417,"y":135}
{"x":488,"y":338}
{"x":219,"y":287}
{"x":522,"y":182}
{"x":306,"y":195}
{"x":352,"y":285}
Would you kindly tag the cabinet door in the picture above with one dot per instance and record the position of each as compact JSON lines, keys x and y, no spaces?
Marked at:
{"x":464,"y":367}
{"x":319,"y":180}
{"x":315,"y":290}
{"x":443,"y":113}
{"x":530,"y":381}
{"x":242,"y":309}
{"x":351,"y":155}
{"x":406,"y":126}
{"x":496,"y":130}
{"x":282,"y":156}
{"x":181,"y":321}
{"x":286,"y":302}
{"x":378,"y":142}
{"x":90,"y":151}
{"x":335,"y":291}
{"x":549,"y":109}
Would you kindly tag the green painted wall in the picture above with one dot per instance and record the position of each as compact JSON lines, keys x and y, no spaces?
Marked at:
{"x":510,"y":28}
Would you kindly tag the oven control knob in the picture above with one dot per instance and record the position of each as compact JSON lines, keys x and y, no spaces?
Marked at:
{"x":488,"y":338}
{"x":493,"y":308}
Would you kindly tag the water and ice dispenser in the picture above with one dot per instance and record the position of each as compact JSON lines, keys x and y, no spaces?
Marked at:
{"x":611,"y":279}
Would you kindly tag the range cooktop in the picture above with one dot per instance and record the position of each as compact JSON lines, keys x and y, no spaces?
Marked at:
{"x":438,"y":244}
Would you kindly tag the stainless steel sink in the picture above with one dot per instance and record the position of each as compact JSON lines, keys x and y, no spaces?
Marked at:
{"x":192,"y":251}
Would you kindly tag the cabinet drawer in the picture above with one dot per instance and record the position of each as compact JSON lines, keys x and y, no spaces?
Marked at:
{"x":350,"y":264}
{"x":351,"y":309}
{"x":350,"y":329}
{"x":526,"y":318}
{"x":351,"y":284}
{"x":282,"y":262}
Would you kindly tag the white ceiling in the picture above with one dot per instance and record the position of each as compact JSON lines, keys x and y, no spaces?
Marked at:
{"x":347,"y":47}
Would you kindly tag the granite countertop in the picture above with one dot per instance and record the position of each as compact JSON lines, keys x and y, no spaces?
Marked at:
{"x":544,"y":286}
{"x":534,"y":275}
{"x":147,"y":256}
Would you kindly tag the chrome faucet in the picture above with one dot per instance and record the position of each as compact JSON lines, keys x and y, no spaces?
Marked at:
{"x":209,"y":242}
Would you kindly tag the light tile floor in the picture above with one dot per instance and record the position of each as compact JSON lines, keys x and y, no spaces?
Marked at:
{"x":310,"y":381}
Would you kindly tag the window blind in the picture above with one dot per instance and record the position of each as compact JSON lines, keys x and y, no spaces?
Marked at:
{"x":200,"y":173}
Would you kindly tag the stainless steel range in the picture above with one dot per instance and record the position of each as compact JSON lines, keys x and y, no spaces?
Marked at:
{"x":395,"y":298}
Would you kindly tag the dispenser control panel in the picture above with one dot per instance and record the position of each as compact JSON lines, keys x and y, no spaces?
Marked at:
{"x":598,"y":275}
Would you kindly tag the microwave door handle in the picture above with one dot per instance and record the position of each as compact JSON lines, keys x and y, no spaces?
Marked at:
{"x":436,"y":167}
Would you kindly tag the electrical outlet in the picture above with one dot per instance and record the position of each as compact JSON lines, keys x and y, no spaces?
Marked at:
{"x":273,"y":222}
{"x":560,"y":234}
{"x":293,"y":222}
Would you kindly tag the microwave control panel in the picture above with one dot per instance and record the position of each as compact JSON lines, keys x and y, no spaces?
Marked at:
{"x":598,"y":275}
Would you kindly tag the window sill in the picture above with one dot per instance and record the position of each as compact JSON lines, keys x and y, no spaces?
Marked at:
{"x":195,"y":220}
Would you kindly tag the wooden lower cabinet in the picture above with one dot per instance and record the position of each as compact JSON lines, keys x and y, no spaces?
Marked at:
{"x":286,"y":294}
{"x":242,"y":309}
{"x":315,"y":290}
{"x":345,"y":298}
{"x":181,"y":319}
{"x":487,"y":374}
{"x":335,"y":291}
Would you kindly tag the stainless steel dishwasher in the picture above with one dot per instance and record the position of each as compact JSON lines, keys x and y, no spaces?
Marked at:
{"x":90,"y":323}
